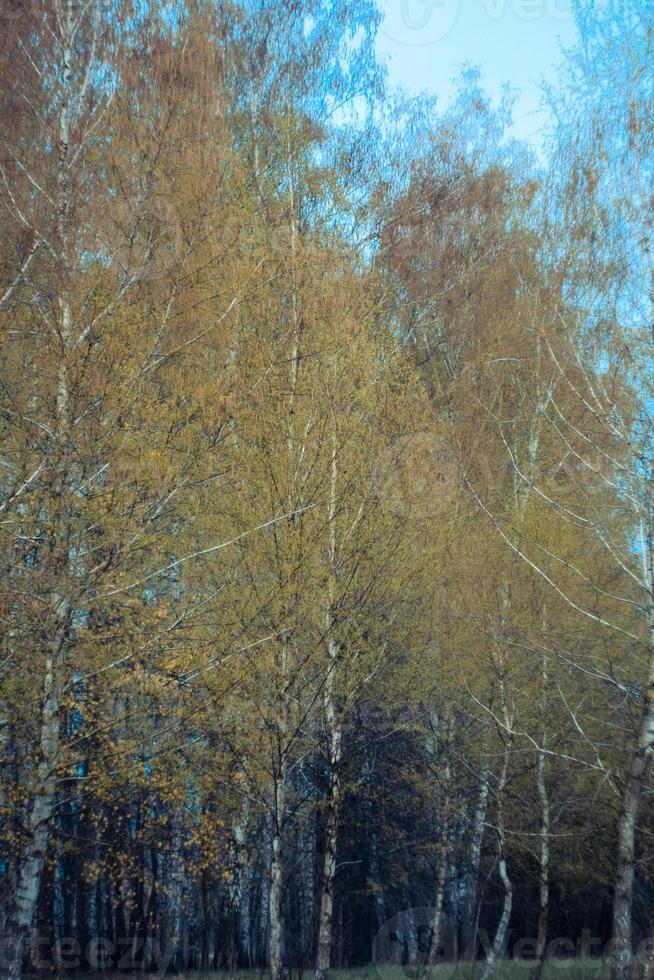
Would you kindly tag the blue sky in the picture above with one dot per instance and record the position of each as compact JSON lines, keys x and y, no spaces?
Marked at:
{"x":424,"y":43}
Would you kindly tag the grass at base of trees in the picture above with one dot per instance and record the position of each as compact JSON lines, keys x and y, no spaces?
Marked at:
{"x":510,"y":969}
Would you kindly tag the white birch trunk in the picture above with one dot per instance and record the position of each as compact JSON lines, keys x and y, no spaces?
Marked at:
{"x":622,"y":952}
{"x":41,"y":810}
{"x":621,"y":949}
{"x":239,"y":890}
{"x":443,"y":865}
{"x":44,"y":794}
{"x":276,"y":927}
{"x":323,"y":957}
{"x":544,"y":871}
{"x":498,"y":946}
{"x":335,"y":740}
{"x":5,"y":747}
{"x":470,"y":913}
{"x":275,"y":896}
{"x":275,"y":911}
{"x":437,"y":918}
{"x":500,"y":936}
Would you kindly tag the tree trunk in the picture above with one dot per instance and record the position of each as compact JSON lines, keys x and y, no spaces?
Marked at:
{"x":5,"y":768}
{"x":38,"y":831}
{"x":280,"y":764}
{"x":498,"y":945}
{"x":39,"y":820}
{"x":323,"y":957}
{"x":621,"y":950}
{"x":648,"y":955}
{"x":470,"y":916}
{"x":441,"y":877}
{"x":437,"y":918}
{"x":544,"y":877}
{"x":500,"y":935}
{"x":334,"y":737}
{"x":276,"y":937}
{"x":238,"y":893}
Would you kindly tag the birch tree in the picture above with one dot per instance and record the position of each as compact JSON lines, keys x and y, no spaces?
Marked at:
{"x":602,"y":418}
{"x":93,"y":318}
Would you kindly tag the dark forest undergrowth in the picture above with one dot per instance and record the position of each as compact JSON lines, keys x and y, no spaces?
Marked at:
{"x":509,"y":969}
